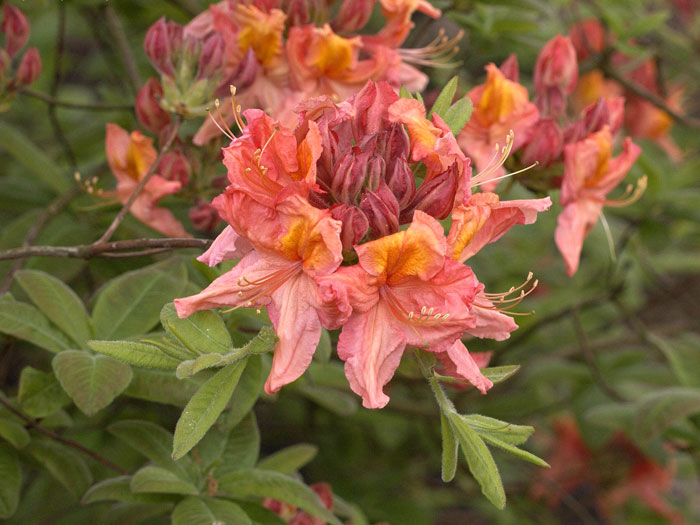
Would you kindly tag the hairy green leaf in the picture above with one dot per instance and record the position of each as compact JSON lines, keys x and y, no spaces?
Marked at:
{"x":64,"y":464}
{"x":266,"y":483}
{"x":444,"y":99}
{"x":14,"y":433}
{"x":457,"y":116}
{"x":118,"y":489}
{"x":522,"y":454}
{"x":242,"y":447}
{"x":500,"y":373}
{"x":450,"y":450}
{"x":202,"y":332}
{"x":11,"y":477}
{"x":656,"y":411}
{"x":58,"y":302}
{"x":135,"y":353}
{"x":130,"y":304}
{"x":200,"y":511}
{"x":502,"y":430}
{"x":40,"y":394}
{"x":92,"y":381}
{"x":204,"y":408}
{"x":289,"y":459}
{"x":160,"y":480}
{"x":23,"y":321}
{"x":161,"y":387}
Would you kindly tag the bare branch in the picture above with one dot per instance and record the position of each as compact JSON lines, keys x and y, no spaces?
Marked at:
{"x":75,"y":105}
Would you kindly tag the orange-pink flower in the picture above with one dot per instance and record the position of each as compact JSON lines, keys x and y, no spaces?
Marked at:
{"x":590,"y":173}
{"x":130,"y":156}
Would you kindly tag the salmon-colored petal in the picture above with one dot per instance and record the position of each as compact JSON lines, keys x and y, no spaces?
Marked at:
{"x":371,"y":345}
{"x":466,"y":367}
{"x":227,"y":246}
{"x":490,"y":323}
{"x":573,"y":225}
{"x":298,"y":328}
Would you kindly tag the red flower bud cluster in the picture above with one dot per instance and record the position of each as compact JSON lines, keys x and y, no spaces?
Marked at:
{"x":15,"y":29}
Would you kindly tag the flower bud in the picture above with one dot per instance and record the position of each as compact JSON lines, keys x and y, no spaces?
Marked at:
{"x":174,"y":166}
{"x":399,"y":178}
{"x":297,"y":12}
{"x":352,"y":15}
{"x":588,"y":37}
{"x":16,"y":28}
{"x":355,"y":224}
{"x":242,"y":76}
{"x":148,"y":110}
{"x":394,"y":144}
{"x":556,"y":74}
{"x":605,"y":112}
{"x":29,"y":67}
{"x":204,"y":216}
{"x":157,"y":45}
{"x":376,"y":168}
{"x":349,"y":175}
{"x":435,"y":197}
{"x":510,"y":68}
{"x":545,"y":144}
{"x":211,"y":59}
{"x":382,"y":210}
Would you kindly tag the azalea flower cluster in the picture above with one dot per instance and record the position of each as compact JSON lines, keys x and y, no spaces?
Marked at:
{"x":281,"y":52}
{"x":550,"y":140}
{"x":336,"y":224}
{"x":608,"y":477}
{"x":15,"y":28}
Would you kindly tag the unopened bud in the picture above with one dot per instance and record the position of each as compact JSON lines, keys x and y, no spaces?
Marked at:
{"x":297,"y":12}
{"x":382,"y":211}
{"x":16,"y":28}
{"x":588,"y":37}
{"x":157,"y":45}
{"x":556,"y":74}
{"x":510,"y":68}
{"x":355,"y":225}
{"x":399,"y":179}
{"x":376,"y":168}
{"x":395,"y":143}
{"x":174,"y":166}
{"x":435,"y":197}
{"x":151,"y":116}
{"x":352,"y":15}
{"x":349,"y":175}
{"x":204,"y":216}
{"x":545,"y":144}
{"x":29,"y":67}
{"x":211,"y":59}
{"x":605,"y":112}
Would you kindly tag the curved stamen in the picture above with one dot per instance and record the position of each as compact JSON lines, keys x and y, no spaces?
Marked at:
{"x":437,"y":53}
{"x":236,"y":109}
{"x":258,"y":292}
{"x":632,"y":194}
{"x":502,"y":302}
{"x":227,"y":132}
{"x":496,"y":161}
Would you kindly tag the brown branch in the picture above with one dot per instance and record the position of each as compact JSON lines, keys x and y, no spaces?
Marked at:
{"x":77,"y":446}
{"x":104,"y":249}
{"x":142,"y":183}
{"x":51,"y":211}
{"x":123,"y":47}
{"x":75,"y":105}
{"x":650,"y":97}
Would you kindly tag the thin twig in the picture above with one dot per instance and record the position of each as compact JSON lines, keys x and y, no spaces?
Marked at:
{"x":55,"y":124}
{"x":51,"y":211}
{"x":142,"y":183}
{"x":77,"y":446}
{"x":117,"y":30}
{"x":589,"y":356}
{"x":75,"y":105}
{"x":104,"y":249}
{"x":650,"y":97}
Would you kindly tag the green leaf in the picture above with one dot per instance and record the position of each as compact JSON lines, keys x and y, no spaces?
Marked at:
{"x":450,"y":450}
{"x":242,"y":448}
{"x":324,"y":349}
{"x":202,"y":332}
{"x":480,"y":461}
{"x":118,"y":489}
{"x":130,"y":304}
{"x":13,"y":433}
{"x":192,"y":366}
{"x":204,"y":408}
{"x":40,"y":394}
{"x":154,"y":442}
{"x":92,"y":381}
{"x":199,"y":511}
{"x":135,"y":353}
{"x":522,"y":454}
{"x":261,"y":515}
{"x":349,"y":510}
{"x":247,"y":392}
{"x":682,"y":354}
{"x":160,"y":480}
{"x":64,"y":464}
{"x":265,"y":483}
{"x":289,"y":459}
{"x":501,"y":430}
{"x":340,"y":403}
{"x":611,"y":415}
{"x":656,"y":411}
{"x":170,"y":346}
{"x":458,"y":115}
{"x":404,"y":93}
{"x":500,"y":373}
{"x":161,"y":387}
{"x":11,"y":477}
{"x":444,"y":99}
{"x":38,"y":164}
{"x":58,"y":302}
{"x":23,"y":321}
